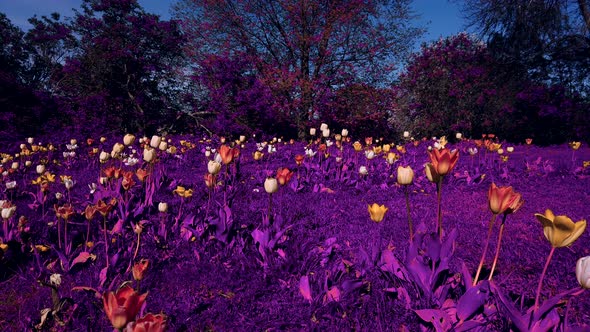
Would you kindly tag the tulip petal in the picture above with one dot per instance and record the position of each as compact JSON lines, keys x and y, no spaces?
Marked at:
{"x":579,"y":228}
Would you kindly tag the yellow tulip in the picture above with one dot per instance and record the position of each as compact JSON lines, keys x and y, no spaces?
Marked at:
{"x":575,"y":145}
{"x":561,"y":231}
{"x":183,"y":192}
{"x":377,"y":212}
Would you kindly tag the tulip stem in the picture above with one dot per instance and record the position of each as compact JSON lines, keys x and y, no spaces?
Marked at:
{"x":106,"y":243}
{"x":498,"y":247}
{"x":439,"y":211}
{"x":485,"y":249}
{"x":58,"y":234}
{"x":542,"y":277}
{"x":409,"y":215}
{"x":87,"y":235}
{"x":270,"y":219}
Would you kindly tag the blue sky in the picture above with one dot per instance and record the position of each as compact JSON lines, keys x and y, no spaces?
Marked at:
{"x":442,"y":18}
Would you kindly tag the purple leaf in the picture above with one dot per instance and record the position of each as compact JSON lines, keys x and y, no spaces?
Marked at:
{"x":473,"y":300}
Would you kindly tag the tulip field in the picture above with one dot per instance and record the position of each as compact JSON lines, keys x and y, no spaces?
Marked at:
{"x":331,"y":233}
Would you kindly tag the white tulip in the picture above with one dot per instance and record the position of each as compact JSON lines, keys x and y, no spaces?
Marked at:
{"x":271,"y":185}
{"x":583,"y":272}
{"x":213,"y":167}
{"x":155,"y":141}
{"x":363,"y":170}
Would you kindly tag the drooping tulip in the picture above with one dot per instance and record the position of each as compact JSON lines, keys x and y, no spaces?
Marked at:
{"x":377,"y":212}
{"x":122,"y":306}
{"x":561,"y":231}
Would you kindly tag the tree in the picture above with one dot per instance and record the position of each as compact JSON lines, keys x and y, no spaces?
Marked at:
{"x":302,"y":49}
{"x":547,"y":41}
{"x":449,"y":86}
{"x":121,"y":74}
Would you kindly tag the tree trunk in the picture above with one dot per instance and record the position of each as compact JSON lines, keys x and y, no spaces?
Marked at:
{"x":585,"y":11}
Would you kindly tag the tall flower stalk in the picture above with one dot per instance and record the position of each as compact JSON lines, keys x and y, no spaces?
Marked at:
{"x":442,"y":161}
{"x":502,"y":200}
{"x":405,"y":177}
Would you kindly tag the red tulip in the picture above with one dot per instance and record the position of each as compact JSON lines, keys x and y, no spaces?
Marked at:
{"x":148,"y":323}
{"x":284,"y":175}
{"x":122,"y":306}
{"x":504,"y":199}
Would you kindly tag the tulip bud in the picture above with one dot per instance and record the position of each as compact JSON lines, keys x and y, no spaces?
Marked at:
{"x":271,"y":185}
{"x":458,"y":136}
{"x":213,"y":167}
{"x":155,"y":141}
{"x":323,"y":126}
{"x":103,"y":139}
{"x":28,"y":163}
{"x":344,"y":132}
{"x":163,"y":207}
{"x":207,"y":153}
{"x":103,"y":157}
{"x":68,"y":183}
{"x":242,"y":138}
{"x":312,"y":131}
{"x":149,"y":155}
{"x":363,"y":170}
{"x":338,"y":137}
{"x":30,"y":140}
{"x":140,"y":268}
{"x":406,"y":134}
{"x":163,"y":146}
{"x":23,"y":146}
{"x":14,"y":165}
{"x":73,"y":141}
{"x":405,"y":175}
{"x":8,"y":212}
{"x":128,"y":139}
{"x":583,"y":272}
{"x":326,"y":132}
{"x":118,"y":148}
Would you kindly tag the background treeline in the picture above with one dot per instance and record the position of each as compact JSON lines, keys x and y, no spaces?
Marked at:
{"x":279,"y":67}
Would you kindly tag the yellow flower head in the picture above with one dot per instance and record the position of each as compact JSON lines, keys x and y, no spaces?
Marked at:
{"x":561,"y":231}
{"x":575,"y":145}
{"x":377,"y":212}
{"x":183,"y":192}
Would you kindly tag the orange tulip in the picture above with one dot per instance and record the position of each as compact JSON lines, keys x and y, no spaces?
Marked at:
{"x":122,"y":306}
{"x":443,"y":160}
{"x":104,"y":208}
{"x":299,"y":159}
{"x":64,"y":212}
{"x":228,"y":154}
{"x":503,"y":199}
{"x":209,"y":180}
{"x":140,"y":268}
{"x":284,"y":175}
{"x":141,"y":174}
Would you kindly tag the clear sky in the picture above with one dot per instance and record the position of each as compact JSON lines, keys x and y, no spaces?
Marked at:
{"x":441,"y":17}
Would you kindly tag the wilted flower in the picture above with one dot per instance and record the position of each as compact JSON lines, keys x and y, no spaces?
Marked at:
{"x":271,"y":185}
{"x":443,"y":161}
{"x":140,"y":268}
{"x":405,"y":175}
{"x":55,"y":279}
{"x":561,"y":231}
{"x":377,"y":212}
{"x":583,"y":272}
{"x":183,"y":192}
{"x":122,"y":307}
